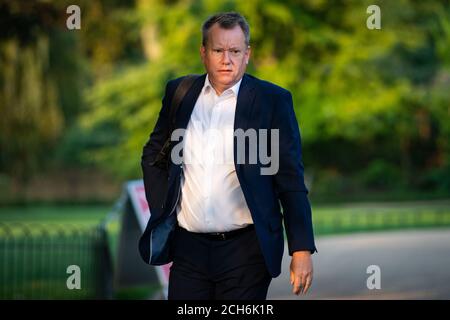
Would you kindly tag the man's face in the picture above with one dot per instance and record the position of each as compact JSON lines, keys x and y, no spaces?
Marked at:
{"x":225,"y":56}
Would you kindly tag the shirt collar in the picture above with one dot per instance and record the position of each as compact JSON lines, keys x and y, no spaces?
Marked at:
{"x":235,"y":88}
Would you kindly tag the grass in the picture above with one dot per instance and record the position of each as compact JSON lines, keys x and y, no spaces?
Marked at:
{"x":79,"y":215}
{"x":138,"y":292}
{"x":354,"y":217}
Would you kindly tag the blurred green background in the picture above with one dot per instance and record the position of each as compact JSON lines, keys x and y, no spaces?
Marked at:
{"x":77,"y":106}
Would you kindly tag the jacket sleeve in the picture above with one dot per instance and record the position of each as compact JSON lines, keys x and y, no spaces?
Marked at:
{"x":289,"y":180}
{"x":151,"y":149}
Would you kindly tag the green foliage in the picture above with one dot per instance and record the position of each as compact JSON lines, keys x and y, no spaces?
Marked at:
{"x":349,"y":83}
{"x":380,"y":174}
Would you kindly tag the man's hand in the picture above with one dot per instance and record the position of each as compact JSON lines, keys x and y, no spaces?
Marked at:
{"x":301,"y":271}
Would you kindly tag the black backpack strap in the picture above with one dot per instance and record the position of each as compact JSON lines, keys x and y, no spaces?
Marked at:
{"x":180,"y":92}
{"x":178,"y":96}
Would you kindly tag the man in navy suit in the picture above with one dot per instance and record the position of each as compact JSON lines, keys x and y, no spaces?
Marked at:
{"x":227,"y":239}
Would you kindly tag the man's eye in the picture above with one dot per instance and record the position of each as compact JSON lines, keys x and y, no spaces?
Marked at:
{"x":235,"y":51}
{"x":217,"y":50}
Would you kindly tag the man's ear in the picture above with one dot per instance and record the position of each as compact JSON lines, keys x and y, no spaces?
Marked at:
{"x":249,"y":51}
{"x":202,"y":52}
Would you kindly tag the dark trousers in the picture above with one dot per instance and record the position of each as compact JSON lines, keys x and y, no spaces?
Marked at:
{"x":213,"y":269}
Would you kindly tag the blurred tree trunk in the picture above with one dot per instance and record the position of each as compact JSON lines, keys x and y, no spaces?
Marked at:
{"x":31,"y":119}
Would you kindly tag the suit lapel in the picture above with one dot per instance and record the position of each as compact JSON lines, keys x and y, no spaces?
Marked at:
{"x":244,"y":103}
{"x":243,"y":111}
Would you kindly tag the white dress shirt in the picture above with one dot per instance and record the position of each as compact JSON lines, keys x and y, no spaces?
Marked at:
{"x":211,"y":196}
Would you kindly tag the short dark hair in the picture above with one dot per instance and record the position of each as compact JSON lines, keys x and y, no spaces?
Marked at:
{"x":226,"y":20}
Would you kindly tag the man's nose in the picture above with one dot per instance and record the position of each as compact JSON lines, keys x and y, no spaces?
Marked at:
{"x":226,"y":57}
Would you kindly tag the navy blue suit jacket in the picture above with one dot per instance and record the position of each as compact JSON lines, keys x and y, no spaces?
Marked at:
{"x":260,"y":105}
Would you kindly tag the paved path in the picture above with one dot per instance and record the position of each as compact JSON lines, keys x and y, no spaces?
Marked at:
{"x":415,"y":264}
